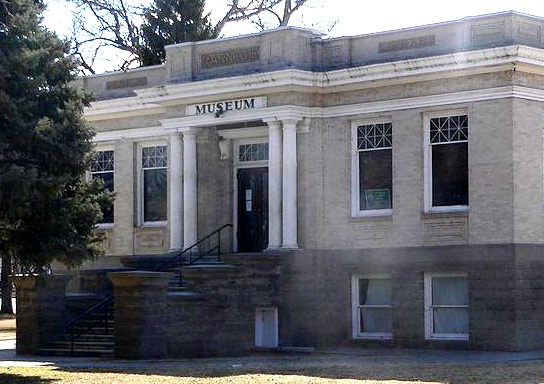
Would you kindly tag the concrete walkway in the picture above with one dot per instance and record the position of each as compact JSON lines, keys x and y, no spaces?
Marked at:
{"x":8,"y":357}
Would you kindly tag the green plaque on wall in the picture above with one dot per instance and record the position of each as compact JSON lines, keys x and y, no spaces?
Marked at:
{"x":378,"y":198}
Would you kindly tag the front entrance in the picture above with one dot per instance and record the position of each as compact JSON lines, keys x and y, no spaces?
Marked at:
{"x":252,"y":209}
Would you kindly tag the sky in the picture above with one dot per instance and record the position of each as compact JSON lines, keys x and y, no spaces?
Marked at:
{"x":352,"y":17}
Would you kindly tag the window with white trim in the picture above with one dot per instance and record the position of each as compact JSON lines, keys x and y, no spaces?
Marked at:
{"x":372,"y":311}
{"x":373,"y":173}
{"x":446,"y":306}
{"x":447,"y":162}
{"x":102,"y":167}
{"x":154,"y":183}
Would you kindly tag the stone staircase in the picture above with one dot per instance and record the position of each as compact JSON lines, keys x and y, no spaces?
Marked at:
{"x":92,"y":338}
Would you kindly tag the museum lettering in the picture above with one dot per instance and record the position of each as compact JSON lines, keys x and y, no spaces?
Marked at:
{"x":224,"y":106}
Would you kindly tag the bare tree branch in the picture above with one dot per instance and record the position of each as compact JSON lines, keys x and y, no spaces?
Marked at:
{"x":100,"y":25}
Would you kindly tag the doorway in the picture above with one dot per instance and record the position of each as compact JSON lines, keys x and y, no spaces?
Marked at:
{"x":266,"y":327}
{"x":252,"y":209}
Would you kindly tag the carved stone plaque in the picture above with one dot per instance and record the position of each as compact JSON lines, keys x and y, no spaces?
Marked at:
{"x":230,"y":57}
{"x":404,"y":44}
{"x":126,"y":83}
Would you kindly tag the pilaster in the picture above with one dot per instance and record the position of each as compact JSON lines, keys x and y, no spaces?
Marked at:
{"x":274,"y":184}
{"x":175,"y":195}
{"x":190,"y":198}
{"x":289,"y":186}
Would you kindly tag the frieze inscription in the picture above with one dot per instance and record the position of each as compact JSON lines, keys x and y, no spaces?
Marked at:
{"x":404,"y":44}
{"x":126,"y":83}
{"x":230,"y":57}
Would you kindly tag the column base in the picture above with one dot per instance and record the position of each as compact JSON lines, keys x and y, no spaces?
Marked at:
{"x":290,"y":246}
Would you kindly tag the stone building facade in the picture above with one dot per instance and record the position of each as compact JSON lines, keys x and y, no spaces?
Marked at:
{"x":397,"y":176}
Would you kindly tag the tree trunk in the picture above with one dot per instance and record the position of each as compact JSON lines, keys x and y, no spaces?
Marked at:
{"x":6,"y":286}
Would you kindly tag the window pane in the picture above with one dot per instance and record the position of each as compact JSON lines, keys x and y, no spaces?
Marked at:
{"x":449,"y":129}
{"x":253,"y":152}
{"x":376,"y":320}
{"x":154,"y":157}
{"x":450,"y":291}
{"x":374,"y":136}
{"x":155,"y":204}
{"x":450,"y":174}
{"x":375,"y":292}
{"x":107,"y":178}
{"x":102,"y":161}
{"x":375,"y":180}
{"x":450,"y":320}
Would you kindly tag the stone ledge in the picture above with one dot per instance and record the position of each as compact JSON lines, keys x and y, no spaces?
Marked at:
{"x":140,"y":278}
{"x":185,"y":296}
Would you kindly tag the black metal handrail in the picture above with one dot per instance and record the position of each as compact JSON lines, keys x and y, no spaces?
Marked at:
{"x":105,"y":303}
{"x":107,"y":314}
{"x":197,"y":249}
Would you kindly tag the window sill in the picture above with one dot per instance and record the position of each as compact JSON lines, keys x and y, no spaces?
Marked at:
{"x":374,"y":336}
{"x":105,"y":226}
{"x":154,"y":224}
{"x":447,"y":209}
{"x":372,"y":213}
{"x":433,"y":213}
{"x":448,"y":338}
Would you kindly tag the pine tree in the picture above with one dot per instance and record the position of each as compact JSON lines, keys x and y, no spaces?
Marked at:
{"x":47,"y":209}
{"x":172,"y":22}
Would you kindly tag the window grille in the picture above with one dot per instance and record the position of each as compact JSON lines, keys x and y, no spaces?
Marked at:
{"x":253,"y":152}
{"x":374,"y":136}
{"x":102,"y":162}
{"x":154,"y":157}
{"x":449,"y":129}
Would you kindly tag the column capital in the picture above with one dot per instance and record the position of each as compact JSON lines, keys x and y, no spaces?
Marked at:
{"x":188,"y":132}
{"x":290,"y":123}
{"x":273,"y":123}
{"x":175,"y":134}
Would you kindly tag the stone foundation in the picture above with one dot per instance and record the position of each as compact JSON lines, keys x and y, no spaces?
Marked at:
{"x":41,"y":310}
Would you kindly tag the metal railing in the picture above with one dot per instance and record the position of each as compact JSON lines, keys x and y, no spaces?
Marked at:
{"x":106,"y":305}
{"x":203,"y":248}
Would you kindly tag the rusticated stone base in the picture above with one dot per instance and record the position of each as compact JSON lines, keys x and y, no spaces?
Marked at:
{"x":41,"y":310}
{"x":140,"y":314}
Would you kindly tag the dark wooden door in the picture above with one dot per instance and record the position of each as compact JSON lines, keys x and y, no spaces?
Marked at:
{"x":252,"y":209}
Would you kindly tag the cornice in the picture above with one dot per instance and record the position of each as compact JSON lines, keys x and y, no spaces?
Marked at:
{"x":131,"y":134}
{"x":122,"y":108}
{"x":303,"y":114}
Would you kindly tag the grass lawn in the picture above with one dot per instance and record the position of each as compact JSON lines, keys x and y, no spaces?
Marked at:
{"x":284,"y":369}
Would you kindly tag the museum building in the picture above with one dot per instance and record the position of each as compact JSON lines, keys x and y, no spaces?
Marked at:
{"x":396,"y":177}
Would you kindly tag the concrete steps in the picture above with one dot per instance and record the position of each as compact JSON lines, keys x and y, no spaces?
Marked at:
{"x":91,"y":338}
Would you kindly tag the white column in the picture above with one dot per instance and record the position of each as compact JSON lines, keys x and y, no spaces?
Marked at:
{"x":274,"y":184}
{"x":289,"y":190}
{"x":176,"y":192}
{"x":190,"y":203}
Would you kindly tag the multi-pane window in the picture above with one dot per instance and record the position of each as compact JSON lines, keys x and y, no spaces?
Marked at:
{"x":448,"y":144}
{"x":374,"y":163}
{"x":253,"y":152}
{"x":446,"y":299}
{"x":154,"y":183}
{"x":102,"y":167}
{"x":373,"y":317}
